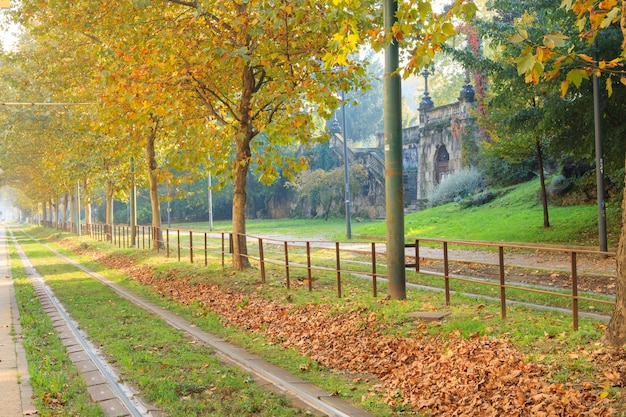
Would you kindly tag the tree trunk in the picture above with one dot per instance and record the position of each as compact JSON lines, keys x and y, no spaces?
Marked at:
{"x":73,"y":208}
{"x":87,"y":206}
{"x":616,"y":330}
{"x":242,"y":164}
{"x":240,"y":248}
{"x":542,"y":179}
{"x":55,"y":212}
{"x":330,"y":203}
{"x":108,"y":218}
{"x":154,"y":185}
{"x":66,"y":202}
{"x":623,"y":24}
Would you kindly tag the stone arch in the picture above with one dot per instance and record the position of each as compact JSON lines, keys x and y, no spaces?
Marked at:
{"x":442,"y":162}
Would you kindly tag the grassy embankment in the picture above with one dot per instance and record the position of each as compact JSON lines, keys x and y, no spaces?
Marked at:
{"x":516,"y":216}
{"x":143,"y":352}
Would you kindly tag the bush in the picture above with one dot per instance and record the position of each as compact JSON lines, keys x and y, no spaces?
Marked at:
{"x":479,"y":199}
{"x":559,"y":186}
{"x":457,"y":186}
{"x":499,"y":172}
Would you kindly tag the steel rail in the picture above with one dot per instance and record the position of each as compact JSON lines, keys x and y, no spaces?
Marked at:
{"x":231,"y":355}
{"x":111,"y":379}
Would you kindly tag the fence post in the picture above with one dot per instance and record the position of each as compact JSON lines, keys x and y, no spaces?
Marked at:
{"x":261,"y":260}
{"x":374,"y":283}
{"x":308,"y":265}
{"x":191,"y":246}
{"x":178,"y":242}
{"x":574,"y":291}
{"x":206,"y":260}
{"x":417,"y":255}
{"x":287,"y":264}
{"x":223,"y":246}
{"x":502,"y":283}
{"x":446,"y":270}
{"x":338,"y":261}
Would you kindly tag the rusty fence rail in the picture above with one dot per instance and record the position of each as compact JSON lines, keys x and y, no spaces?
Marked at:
{"x":571,"y":252}
{"x":345,"y":258}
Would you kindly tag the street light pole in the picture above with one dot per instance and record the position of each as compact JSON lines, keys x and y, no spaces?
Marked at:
{"x":169,"y":219}
{"x":77,"y":208}
{"x":210,"y":204}
{"x":345,"y":165}
{"x":394,"y":187}
{"x":597,"y":118}
{"x":133,"y":205}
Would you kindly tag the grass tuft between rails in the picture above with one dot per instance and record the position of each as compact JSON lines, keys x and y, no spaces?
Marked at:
{"x":173,"y":372}
{"x":58,"y":387}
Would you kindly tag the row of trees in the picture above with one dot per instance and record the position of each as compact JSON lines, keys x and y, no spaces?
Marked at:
{"x":197,"y":86}
{"x":186,"y":86}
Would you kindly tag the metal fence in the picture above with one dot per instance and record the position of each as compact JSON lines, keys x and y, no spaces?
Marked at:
{"x":363,"y":259}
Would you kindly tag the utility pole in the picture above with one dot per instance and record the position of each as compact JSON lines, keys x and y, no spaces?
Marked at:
{"x":394,"y":187}
{"x":346,"y":161}
{"x":597,"y":119}
{"x":77,"y":208}
{"x":210,"y":203}
{"x":133,"y":204}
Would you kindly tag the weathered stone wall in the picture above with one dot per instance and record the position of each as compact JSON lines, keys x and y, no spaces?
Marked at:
{"x":438,"y":135}
{"x":430,"y":151}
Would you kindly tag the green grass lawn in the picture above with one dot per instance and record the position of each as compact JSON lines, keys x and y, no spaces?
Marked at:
{"x":516,"y":216}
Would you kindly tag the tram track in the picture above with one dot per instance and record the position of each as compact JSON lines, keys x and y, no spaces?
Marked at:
{"x":114,"y":398}
{"x":271,"y":377}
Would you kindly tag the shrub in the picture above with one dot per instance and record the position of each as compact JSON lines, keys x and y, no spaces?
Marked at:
{"x":498,"y":172}
{"x":478,"y":199}
{"x":559,"y":186}
{"x":457,"y":186}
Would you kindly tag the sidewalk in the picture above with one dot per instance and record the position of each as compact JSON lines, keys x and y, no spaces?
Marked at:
{"x":14,"y":379}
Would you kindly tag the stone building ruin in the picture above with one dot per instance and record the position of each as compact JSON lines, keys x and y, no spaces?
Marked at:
{"x":436,"y":147}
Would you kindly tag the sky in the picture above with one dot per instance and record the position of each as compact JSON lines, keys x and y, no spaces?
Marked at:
{"x":7,"y":32}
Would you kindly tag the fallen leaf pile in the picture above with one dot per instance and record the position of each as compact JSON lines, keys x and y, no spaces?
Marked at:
{"x":479,"y":376}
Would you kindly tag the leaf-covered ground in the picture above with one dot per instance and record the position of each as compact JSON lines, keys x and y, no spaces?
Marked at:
{"x":455,"y":376}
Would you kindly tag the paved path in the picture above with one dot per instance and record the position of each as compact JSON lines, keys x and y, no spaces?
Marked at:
{"x":14,"y":379}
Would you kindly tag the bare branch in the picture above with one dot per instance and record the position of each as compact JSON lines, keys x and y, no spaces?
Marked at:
{"x":192,"y":3}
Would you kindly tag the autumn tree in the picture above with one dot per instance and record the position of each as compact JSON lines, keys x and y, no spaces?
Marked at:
{"x":38,"y":137}
{"x":548,"y":57}
{"x":321,"y":189}
{"x":128,"y":69}
{"x":263,"y":65}
{"x":249,"y":67}
{"x":261,"y":70}
{"x":518,"y":118}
